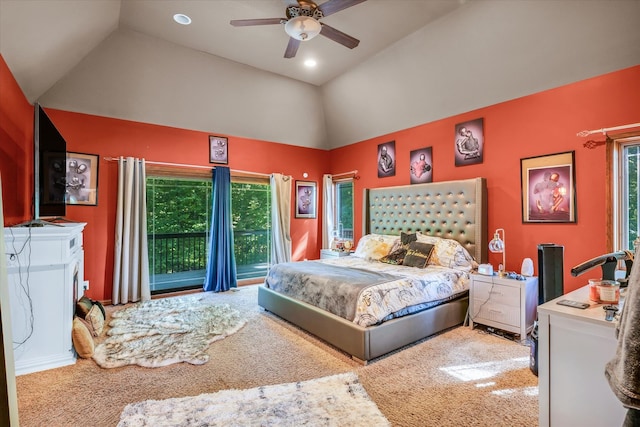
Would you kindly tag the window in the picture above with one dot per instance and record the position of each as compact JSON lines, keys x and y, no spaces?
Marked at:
{"x":178,"y":221}
{"x":344,"y":209}
{"x":628,"y":206}
{"x":251,"y":212}
{"x":178,"y":218}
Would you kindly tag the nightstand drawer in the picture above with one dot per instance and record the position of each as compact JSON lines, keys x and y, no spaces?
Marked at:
{"x":496,"y":293}
{"x":507,"y":315}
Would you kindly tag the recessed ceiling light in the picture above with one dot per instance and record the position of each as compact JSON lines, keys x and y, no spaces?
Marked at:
{"x":310,"y":63}
{"x":182,"y":19}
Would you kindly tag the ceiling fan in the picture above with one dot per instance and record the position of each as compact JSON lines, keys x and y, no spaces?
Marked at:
{"x":303,"y":23}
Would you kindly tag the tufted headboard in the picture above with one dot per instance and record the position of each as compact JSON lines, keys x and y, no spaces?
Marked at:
{"x":451,"y":209}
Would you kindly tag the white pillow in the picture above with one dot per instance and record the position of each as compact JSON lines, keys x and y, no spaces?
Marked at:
{"x":448,"y":253}
{"x":372,"y":247}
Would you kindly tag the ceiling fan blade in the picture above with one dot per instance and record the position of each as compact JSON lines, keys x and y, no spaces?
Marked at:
{"x":339,"y":37}
{"x":261,"y":21}
{"x":292,"y":48}
{"x":333,"y":6}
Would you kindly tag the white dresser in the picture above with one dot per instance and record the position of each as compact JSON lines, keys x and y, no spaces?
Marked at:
{"x":45,"y":266}
{"x":574,"y":346}
{"x":503,"y":303}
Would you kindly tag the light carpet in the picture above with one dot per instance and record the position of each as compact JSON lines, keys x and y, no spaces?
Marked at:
{"x":338,"y":400}
{"x":165,"y":331}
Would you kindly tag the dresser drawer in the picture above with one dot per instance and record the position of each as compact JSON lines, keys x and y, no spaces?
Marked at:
{"x":505,"y":314}
{"x":496,"y":293}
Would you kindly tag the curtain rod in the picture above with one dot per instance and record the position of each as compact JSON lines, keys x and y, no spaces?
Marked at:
{"x":605,"y":130}
{"x":353,"y":172}
{"x":183,"y":165}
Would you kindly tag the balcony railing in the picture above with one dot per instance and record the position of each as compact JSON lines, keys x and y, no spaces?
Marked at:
{"x":180,"y":259}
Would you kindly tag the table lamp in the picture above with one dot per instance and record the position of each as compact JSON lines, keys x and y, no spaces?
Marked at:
{"x":496,"y":245}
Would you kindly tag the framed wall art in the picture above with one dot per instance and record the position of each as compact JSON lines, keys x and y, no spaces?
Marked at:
{"x":218,"y":149}
{"x":387,"y":159}
{"x":548,"y":188}
{"x":469,"y":142}
{"x":81,"y":187}
{"x":421,"y":169}
{"x":305,"y":199}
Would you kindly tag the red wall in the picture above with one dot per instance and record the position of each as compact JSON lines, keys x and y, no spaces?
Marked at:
{"x":112,"y":138}
{"x":16,"y":149}
{"x":539,"y":124}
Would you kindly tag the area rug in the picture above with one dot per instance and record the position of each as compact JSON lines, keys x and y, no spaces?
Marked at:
{"x":164,"y":331}
{"x":338,"y":400}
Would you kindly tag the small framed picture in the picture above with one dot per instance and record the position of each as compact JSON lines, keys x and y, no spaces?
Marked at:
{"x":421,"y":166}
{"x":469,"y":142}
{"x":548,"y":188}
{"x":218,"y":150}
{"x":81,"y":187}
{"x":305,"y":199}
{"x":386,"y":159}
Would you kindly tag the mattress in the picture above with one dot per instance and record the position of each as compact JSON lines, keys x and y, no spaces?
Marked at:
{"x":370,"y":292}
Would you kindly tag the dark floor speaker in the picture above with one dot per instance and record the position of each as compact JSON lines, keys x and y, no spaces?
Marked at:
{"x":550,"y":271}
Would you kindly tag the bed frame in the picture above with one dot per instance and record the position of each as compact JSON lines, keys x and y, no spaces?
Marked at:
{"x":450,"y":209}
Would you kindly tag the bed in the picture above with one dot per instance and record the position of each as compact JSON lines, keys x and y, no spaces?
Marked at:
{"x":455,"y":210}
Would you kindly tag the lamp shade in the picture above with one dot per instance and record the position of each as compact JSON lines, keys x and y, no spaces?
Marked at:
{"x":302,"y":27}
{"x":496,"y":245}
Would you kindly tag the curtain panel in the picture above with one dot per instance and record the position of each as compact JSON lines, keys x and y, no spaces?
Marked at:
{"x":131,"y":254}
{"x":328,"y":210}
{"x":280,"y":218}
{"x":221,"y":265}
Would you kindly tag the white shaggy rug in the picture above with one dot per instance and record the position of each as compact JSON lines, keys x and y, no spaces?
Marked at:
{"x":338,"y":400}
{"x":165,"y":331}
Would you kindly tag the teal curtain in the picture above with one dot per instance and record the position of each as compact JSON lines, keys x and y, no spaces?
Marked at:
{"x":221,"y":264}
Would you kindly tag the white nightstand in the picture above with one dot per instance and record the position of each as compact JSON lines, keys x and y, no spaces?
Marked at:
{"x":503,"y":303}
{"x":328,"y":253}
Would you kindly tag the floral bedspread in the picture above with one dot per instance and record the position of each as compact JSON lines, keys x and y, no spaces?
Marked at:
{"x":413,"y":289}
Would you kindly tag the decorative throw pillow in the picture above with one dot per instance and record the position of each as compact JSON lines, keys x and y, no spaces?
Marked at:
{"x":82,"y":339}
{"x":418,"y":254}
{"x":101,"y":307}
{"x":395,"y":257}
{"x":372,"y":247}
{"x":83,"y":306}
{"x":96,"y":319}
{"x":403,"y":241}
{"x":407,"y":238}
{"x":448,"y":253}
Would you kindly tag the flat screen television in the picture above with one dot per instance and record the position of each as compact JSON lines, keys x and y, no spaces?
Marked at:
{"x":50,"y":164}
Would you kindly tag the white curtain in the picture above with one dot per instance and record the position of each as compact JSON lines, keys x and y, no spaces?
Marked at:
{"x":131,"y":255}
{"x":328,"y":210}
{"x":280,"y":218}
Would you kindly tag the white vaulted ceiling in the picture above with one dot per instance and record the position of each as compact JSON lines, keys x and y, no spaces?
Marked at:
{"x":417,"y":61}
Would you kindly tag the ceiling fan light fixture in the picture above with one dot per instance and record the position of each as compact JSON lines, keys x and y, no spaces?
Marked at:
{"x":302,"y":28}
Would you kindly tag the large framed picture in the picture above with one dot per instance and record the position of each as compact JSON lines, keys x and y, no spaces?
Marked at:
{"x":218,"y":149}
{"x":82,"y":179}
{"x":305,"y":199}
{"x":548,"y":188}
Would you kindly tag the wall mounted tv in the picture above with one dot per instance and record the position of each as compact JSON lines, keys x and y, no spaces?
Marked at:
{"x":50,"y":164}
